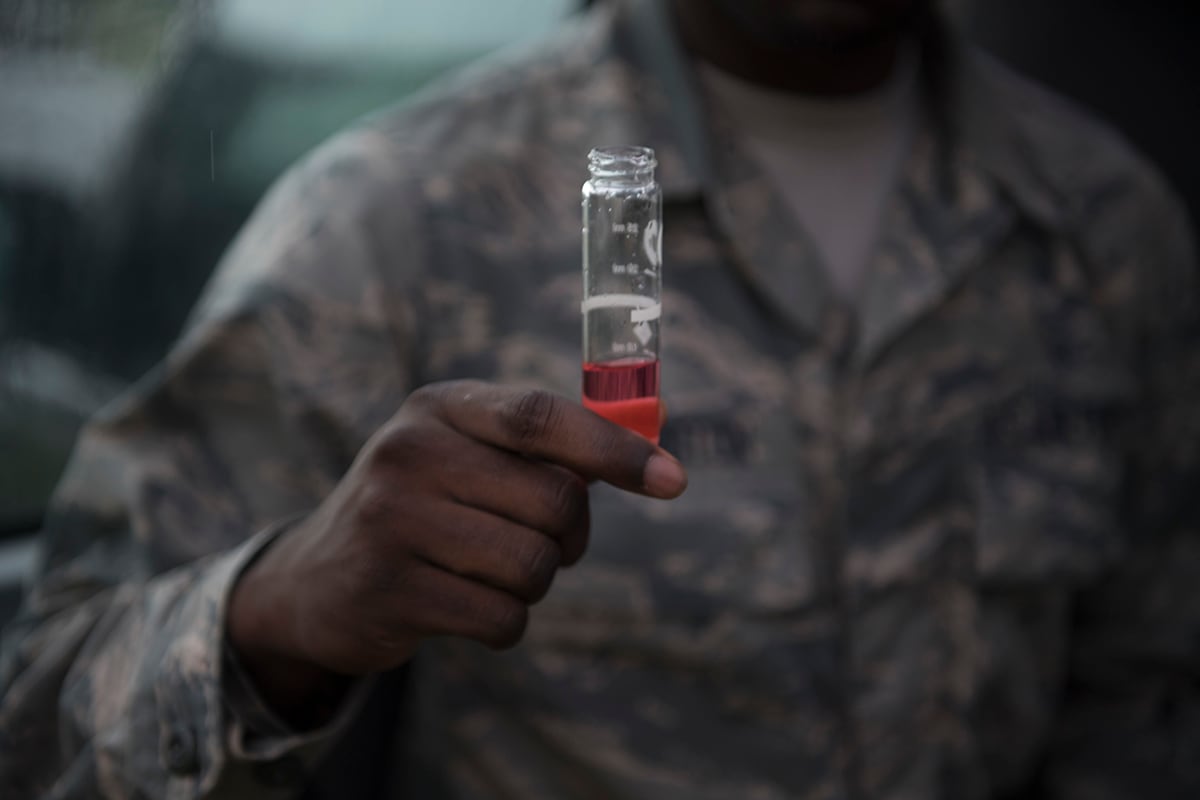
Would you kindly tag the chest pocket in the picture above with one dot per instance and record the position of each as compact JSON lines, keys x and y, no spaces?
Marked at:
{"x":996,"y":475}
{"x":1047,"y":473}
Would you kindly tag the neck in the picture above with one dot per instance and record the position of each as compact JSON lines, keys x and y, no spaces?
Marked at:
{"x":821,"y":70}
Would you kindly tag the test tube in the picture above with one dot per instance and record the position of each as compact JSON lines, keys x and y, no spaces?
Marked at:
{"x":622,"y":287}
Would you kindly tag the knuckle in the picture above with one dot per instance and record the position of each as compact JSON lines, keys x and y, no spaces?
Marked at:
{"x":403,"y":446}
{"x":537,"y":564}
{"x":429,"y":395}
{"x":567,"y":502}
{"x":374,"y":504}
{"x":575,"y":545}
{"x":574,"y":540}
{"x":432,"y":397}
{"x":531,"y":415}
{"x":374,"y":457}
{"x":506,"y":624}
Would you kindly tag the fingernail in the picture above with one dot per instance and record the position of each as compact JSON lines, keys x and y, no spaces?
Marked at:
{"x":664,"y":476}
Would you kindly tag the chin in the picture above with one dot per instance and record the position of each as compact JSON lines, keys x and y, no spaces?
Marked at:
{"x":834,"y":23}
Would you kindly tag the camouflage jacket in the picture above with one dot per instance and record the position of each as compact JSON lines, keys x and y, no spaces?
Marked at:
{"x":941,"y":545}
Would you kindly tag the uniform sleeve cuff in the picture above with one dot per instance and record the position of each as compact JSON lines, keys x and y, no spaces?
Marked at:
{"x":188,"y":688}
{"x":256,"y":733}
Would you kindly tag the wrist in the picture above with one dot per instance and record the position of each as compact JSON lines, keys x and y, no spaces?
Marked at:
{"x":258,"y":626}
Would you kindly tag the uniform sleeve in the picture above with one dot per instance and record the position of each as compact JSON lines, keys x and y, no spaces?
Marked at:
{"x":114,"y":678}
{"x":1130,"y":724}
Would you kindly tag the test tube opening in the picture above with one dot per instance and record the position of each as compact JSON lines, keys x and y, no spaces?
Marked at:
{"x":624,"y":162}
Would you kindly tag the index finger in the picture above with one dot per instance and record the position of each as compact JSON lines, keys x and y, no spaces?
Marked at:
{"x":549,"y":427}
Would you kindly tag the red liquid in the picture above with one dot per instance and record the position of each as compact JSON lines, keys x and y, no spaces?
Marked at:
{"x":625,"y":392}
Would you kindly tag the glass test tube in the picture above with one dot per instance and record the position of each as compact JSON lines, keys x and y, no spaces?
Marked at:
{"x":622,"y":287}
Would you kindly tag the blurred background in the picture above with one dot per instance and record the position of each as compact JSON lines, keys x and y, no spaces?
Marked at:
{"x":137,"y":135}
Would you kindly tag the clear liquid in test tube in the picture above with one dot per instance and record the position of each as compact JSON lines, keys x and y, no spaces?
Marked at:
{"x":622,"y":288}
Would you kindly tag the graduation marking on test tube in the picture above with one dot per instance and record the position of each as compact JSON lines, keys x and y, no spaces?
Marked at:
{"x":643,"y":309}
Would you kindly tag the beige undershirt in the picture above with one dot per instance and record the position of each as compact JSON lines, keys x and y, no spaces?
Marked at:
{"x":834,"y":162}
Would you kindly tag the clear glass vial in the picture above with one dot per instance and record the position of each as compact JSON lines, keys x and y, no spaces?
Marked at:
{"x":622,"y":287}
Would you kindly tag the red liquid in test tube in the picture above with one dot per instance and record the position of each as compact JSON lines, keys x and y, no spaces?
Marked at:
{"x":625,"y":392}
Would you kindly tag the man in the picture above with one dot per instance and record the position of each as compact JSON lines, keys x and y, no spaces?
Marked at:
{"x":936,"y":542}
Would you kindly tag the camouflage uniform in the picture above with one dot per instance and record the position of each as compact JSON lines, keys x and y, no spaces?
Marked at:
{"x":937,"y":546}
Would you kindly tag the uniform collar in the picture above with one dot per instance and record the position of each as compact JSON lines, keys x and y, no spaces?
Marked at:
{"x":995,"y":130}
{"x":989,"y":129}
{"x":973,"y":171}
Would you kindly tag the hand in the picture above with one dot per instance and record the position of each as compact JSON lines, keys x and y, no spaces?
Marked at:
{"x":453,"y":520}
